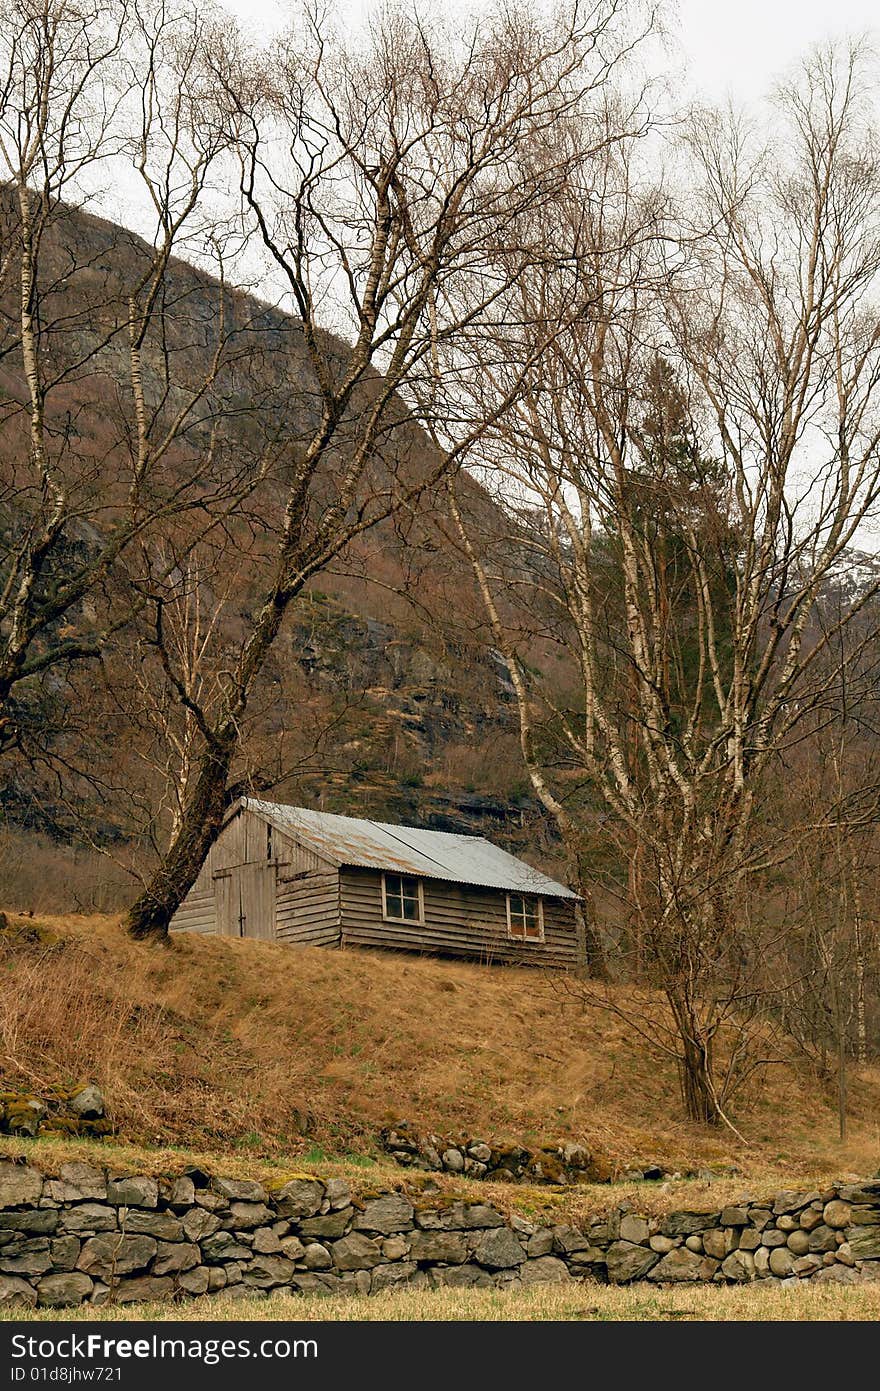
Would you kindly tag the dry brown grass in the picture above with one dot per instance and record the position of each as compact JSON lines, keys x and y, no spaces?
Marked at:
{"x":269,"y":1052}
{"x":583,"y":1301}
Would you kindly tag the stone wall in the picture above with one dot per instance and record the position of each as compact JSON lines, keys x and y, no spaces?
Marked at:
{"x":560,"y":1163}
{"x":87,"y":1234}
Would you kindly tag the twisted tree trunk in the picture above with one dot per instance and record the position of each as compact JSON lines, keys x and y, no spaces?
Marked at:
{"x":200,"y":823}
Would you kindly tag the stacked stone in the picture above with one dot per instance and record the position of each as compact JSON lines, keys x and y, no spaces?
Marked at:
{"x":77,"y":1112}
{"x":88,"y":1235}
{"x":502,"y":1163}
{"x":828,"y":1236}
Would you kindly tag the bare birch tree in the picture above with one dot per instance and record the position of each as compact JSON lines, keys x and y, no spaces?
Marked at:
{"x":689,"y":467}
{"x":111,"y":434}
{"x":389,"y":182}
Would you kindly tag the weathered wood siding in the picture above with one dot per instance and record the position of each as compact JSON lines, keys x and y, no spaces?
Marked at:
{"x":307,"y":909}
{"x":459,"y":921}
{"x":226,"y":904}
{"x":196,"y":913}
{"x":294,"y":896}
{"x":293,"y":859}
{"x":243,"y":841}
{"x":258,"y":898}
{"x":298,"y":897}
{"x":307,"y":903}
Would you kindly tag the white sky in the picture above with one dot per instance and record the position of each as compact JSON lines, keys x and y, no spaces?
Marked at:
{"x":732,"y":48}
{"x":739,"y":48}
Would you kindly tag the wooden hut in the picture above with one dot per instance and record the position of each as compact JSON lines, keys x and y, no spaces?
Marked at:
{"x":311,"y":878}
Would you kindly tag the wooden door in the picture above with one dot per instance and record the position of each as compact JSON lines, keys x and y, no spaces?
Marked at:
{"x":227,"y":903}
{"x":257,"y":886}
{"x":245,"y":901}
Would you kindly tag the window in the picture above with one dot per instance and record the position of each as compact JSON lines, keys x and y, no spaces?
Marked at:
{"x":268,"y":842}
{"x":525,"y":918}
{"x":402,"y":899}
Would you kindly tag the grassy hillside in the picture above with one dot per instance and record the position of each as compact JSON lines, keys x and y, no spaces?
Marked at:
{"x":265,"y":1052}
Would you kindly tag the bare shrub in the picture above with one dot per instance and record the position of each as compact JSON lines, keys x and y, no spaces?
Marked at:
{"x":39,"y":875}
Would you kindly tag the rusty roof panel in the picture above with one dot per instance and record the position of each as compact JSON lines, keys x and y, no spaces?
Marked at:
{"x":459,"y":859}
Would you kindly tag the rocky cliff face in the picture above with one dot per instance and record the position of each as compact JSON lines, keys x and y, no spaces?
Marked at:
{"x":419,"y":704}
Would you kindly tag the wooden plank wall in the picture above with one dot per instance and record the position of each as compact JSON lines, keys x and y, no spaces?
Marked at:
{"x":307,"y":902}
{"x":295,"y":859}
{"x":459,"y":921}
{"x":196,"y":913}
{"x":312,"y":917}
{"x":227,"y":906}
{"x":243,"y":842}
{"x":257,"y":888}
{"x":307,"y":909}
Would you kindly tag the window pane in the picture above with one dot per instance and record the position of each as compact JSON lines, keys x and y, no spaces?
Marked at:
{"x":392,"y":896}
{"x":525,"y":916}
{"x":532,"y":919}
{"x":411,"y":902}
{"x":402,"y":901}
{"x":515,"y":912}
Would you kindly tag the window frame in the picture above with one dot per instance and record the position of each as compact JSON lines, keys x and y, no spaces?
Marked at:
{"x":412,"y":878}
{"x":524,"y":936}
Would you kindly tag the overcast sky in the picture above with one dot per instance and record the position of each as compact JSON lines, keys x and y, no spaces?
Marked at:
{"x":739,"y":48}
{"x":732,"y":47}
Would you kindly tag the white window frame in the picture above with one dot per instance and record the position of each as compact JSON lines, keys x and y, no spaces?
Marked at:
{"x":415,"y":922}
{"x":524,"y":937}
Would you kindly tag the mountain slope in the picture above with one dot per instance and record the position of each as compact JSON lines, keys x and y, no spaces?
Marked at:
{"x":379,"y":696}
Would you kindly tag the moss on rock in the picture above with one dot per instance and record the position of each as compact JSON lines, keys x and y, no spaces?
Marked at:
{"x":77,"y":1125}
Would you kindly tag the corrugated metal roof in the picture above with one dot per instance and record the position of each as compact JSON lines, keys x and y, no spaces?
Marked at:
{"x":460,"y":859}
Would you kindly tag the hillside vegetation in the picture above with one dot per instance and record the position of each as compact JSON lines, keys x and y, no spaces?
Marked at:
{"x":261,"y":1051}
{"x":400,"y":712}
